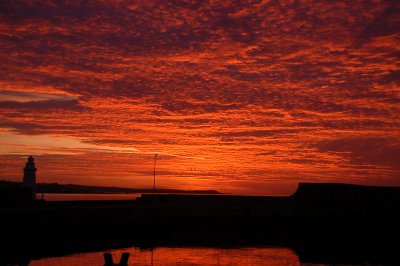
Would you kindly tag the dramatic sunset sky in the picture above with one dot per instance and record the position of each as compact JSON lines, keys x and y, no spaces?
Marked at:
{"x":247,"y":97}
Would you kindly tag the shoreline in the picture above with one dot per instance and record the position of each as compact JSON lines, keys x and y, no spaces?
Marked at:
{"x":322,"y":223}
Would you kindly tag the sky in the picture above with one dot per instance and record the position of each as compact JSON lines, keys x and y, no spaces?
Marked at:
{"x":245,"y":97}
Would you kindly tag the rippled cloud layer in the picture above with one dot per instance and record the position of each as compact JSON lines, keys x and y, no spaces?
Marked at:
{"x":244,"y":97}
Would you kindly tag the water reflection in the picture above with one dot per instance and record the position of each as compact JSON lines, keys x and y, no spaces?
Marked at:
{"x":183,"y":256}
{"x":85,"y":197}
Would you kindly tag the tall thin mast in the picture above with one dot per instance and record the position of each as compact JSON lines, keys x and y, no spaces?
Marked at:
{"x":154,"y":184}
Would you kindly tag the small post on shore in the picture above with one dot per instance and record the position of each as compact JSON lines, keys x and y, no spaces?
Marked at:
{"x":154,"y":184}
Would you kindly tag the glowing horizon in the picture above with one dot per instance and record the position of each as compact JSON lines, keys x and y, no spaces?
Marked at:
{"x":241,"y":98}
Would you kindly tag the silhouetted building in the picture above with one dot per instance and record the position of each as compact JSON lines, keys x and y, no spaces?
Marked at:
{"x":30,"y":176}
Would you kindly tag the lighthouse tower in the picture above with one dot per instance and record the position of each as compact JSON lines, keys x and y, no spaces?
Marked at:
{"x":30,"y":176}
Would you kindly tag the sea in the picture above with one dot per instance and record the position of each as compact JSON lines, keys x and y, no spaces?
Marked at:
{"x":167,"y":255}
{"x":183,"y":256}
{"x":85,"y":197}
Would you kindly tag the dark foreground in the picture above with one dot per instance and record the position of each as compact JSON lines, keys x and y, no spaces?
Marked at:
{"x":323,"y":223}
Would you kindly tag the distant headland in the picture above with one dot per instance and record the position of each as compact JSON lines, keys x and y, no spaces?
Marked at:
{"x":82,"y":189}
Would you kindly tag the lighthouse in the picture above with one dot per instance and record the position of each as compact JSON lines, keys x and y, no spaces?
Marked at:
{"x":30,"y":176}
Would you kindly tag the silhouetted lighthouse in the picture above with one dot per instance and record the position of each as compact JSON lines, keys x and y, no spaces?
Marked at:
{"x":30,"y":176}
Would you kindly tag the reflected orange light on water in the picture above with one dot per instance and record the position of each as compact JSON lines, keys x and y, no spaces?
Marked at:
{"x":270,"y":256}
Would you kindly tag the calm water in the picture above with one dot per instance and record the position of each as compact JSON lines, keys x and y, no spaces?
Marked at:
{"x":73,"y":197}
{"x":183,"y":256}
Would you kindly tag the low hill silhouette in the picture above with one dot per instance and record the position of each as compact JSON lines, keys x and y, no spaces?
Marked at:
{"x":82,"y":189}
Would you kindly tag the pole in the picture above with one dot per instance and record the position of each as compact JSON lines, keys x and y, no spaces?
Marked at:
{"x":154,"y":184}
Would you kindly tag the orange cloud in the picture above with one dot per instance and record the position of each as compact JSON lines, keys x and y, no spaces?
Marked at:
{"x":246,"y":98}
